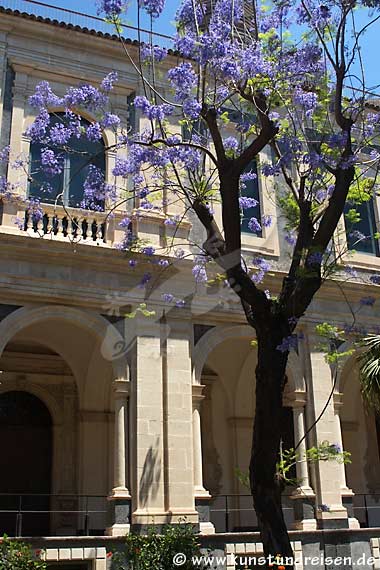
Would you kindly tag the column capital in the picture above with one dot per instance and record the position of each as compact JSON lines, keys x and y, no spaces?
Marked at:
{"x":296,"y":399}
{"x":121,"y":387}
{"x":197,"y":392}
{"x":338,"y":400}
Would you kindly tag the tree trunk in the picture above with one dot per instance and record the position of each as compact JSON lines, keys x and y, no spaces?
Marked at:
{"x":266,"y":487}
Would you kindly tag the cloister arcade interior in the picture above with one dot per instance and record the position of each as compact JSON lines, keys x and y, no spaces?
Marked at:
{"x":227,"y":415}
{"x":360,"y":434}
{"x":56,"y":426}
{"x":227,"y":421}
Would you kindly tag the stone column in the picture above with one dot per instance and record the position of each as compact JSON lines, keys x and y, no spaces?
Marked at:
{"x":303,"y":496}
{"x":202,"y":496}
{"x":178,"y":418}
{"x":331,"y":513}
{"x":347,"y":494}
{"x":198,"y":397}
{"x":147,"y":413}
{"x":120,"y":497}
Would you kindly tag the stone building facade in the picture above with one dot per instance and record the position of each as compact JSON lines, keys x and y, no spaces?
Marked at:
{"x":119,"y":422}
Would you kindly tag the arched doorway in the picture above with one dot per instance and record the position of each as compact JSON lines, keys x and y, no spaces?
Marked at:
{"x":25,"y":463}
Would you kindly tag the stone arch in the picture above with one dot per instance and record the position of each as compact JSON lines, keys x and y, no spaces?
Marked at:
{"x":210,"y":340}
{"x":215,"y":336}
{"x":20,"y":385}
{"x":112,"y":342}
{"x":342,"y":365}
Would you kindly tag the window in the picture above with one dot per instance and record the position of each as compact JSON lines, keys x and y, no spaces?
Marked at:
{"x":251,"y":190}
{"x":365,"y":227}
{"x":76,"y":159}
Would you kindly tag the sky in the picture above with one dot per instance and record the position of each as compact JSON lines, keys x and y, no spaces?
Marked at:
{"x":164,"y":25}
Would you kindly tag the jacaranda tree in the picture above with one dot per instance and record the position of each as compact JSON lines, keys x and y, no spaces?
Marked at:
{"x":244,"y":77}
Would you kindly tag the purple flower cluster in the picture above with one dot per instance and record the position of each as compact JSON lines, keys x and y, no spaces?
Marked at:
{"x":37,"y":130}
{"x":262,"y":267}
{"x":169,"y":298}
{"x":107,"y":83}
{"x":4,"y":155}
{"x":315,"y":258}
{"x":246,"y":202}
{"x":44,"y":97}
{"x":367,"y":301}
{"x":266,"y":221}
{"x":288,"y":343}
{"x":86,"y":97}
{"x":231,"y":144}
{"x":183,"y":79}
{"x":34,"y":210}
{"x":110,"y":121}
{"x":148,"y":250}
{"x":159,"y":112}
{"x":305,"y":99}
{"x":111,"y":8}
{"x":191,"y":109}
{"x":199,"y":270}
{"x":254,"y":225}
{"x":96,"y":191}
{"x":51,"y":164}
{"x":148,"y":52}
{"x":152,"y":7}
{"x":94,"y":132}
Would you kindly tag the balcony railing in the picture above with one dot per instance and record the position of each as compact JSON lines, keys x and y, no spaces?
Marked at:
{"x":235,"y":513}
{"x":52,"y":515}
{"x":87,"y":515}
{"x":69,"y":223}
{"x":85,"y":22}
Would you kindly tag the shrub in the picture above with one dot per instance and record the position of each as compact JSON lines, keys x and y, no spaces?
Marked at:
{"x":15,"y":555}
{"x":157,"y":551}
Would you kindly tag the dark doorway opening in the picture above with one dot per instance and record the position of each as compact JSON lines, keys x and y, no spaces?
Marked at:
{"x":25,"y":464}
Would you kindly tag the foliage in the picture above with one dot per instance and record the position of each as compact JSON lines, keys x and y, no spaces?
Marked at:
{"x":15,"y":555}
{"x":289,"y":458}
{"x":142,"y":309}
{"x":327,"y":451}
{"x":333,"y":339}
{"x":369,"y":363}
{"x":154,"y":550}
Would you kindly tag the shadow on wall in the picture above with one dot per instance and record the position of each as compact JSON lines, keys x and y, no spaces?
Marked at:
{"x":151,"y":475}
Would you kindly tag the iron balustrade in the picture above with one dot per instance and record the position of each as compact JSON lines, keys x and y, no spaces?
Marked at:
{"x":85,"y":515}
{"x":366,"y":509}
{"x":235,"y":513}
{"x":52,"y":515}
{"x":85,"y":22}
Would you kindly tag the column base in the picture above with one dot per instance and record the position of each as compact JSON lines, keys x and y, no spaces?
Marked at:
{"x":201,"y":493}
{"x":119,"y":512}
{"x":202,"y":505}
{"x":206,"y":528}
{"x":348,"y":503}
{"x":304,"y":508}
{"x":118,"y":530}
{"x":119,"y":493}
{"x":335,"y":518}
{"x":143,"y":519}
